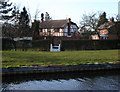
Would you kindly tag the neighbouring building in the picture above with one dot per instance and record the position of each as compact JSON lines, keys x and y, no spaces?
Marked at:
{"x":58,"y":28}
{"x":109,"y":30}
{"x":22,"y":38}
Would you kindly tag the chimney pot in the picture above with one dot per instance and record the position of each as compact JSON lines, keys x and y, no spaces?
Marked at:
{"x":69,"y":20}
{"x":112,"y":19}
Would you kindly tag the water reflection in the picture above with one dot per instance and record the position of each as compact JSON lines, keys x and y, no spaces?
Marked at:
{"x":64,"y":81}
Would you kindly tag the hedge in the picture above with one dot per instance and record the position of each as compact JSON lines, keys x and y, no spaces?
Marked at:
{"x":38,"y":45}
{"x":89,"y":44}
{"x":41,"y":44}
{"x":44,"y":45}
{"x":7,"y":43}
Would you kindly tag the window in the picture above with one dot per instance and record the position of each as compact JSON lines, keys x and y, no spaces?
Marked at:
{"x":56,"y":29}
{"x":103,"y":32}
{"x":95,"y":37}
{"x":41,"y":30}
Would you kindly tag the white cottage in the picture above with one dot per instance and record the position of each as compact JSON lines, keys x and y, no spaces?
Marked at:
{"x":58,"y":28}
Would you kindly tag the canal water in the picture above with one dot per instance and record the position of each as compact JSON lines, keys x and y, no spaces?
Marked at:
{"x":99,"y":80}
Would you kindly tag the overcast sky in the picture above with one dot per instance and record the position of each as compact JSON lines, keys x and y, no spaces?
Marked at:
{"x":74,"y":9}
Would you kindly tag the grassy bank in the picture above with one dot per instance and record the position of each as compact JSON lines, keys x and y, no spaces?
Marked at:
{"x":29,"y":58}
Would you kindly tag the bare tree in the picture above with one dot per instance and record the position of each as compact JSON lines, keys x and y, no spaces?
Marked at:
{"x":89,"y":22}
{"x":116,"y":17}
{"x":37,"y":12}
{"x":19,"y":26}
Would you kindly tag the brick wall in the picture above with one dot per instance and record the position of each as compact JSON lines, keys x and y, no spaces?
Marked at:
{"x":104,"y":32}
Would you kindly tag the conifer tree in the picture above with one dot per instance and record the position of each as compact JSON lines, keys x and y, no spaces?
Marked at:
{"x":102,"y":19}
{"x":5,"y":9}
{"x":24,"y":27}
{"x":24,"y":18}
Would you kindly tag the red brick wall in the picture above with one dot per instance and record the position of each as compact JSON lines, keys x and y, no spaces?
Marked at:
{"x":104,"y":31}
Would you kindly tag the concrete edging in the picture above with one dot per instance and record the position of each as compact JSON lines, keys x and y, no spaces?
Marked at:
{"x":61,"y":68}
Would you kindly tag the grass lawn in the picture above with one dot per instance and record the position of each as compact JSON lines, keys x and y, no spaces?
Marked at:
{"x":29,"y":58}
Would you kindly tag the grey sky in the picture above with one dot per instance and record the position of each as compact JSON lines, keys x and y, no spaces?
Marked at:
{"x":74,"y":9}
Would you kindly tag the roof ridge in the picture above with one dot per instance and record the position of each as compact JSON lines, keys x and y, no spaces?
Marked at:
{"x":56,"y":20}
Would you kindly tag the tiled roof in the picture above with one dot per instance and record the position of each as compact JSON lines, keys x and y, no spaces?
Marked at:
{"x":112,"y":27}
{"x":106,"y":25}
{"x":54,"y":24}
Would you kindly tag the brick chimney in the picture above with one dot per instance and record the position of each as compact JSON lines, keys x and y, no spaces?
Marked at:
{"x":112,"y":19}
{"x":69,"y":23}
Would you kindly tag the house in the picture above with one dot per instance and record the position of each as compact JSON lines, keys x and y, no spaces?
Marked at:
{"x":58,"y":28}
{"x":109,"y":30}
